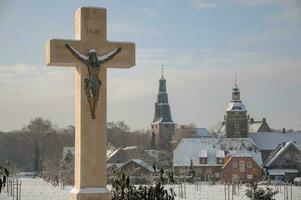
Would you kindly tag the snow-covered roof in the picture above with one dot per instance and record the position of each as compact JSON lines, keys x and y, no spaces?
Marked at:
{"x":190,"y":148}
{"x":202,"y":132}
{"x":111,"y":153}
{"x":275,"y":172}
{"x":129,"y":148}
{"x":279,"y":151}
{"x":236,"y":106}
{"x":270,"y":140}
{"x":242,"y":151}
{"x":114,"y":164}
{"x":255,"y":126}
{"x":203,"y":154}
{"x":220,"y":154}
{"x":139,"y":162}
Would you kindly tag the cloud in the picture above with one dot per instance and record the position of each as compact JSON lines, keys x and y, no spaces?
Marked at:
{"x":292,"y":11}
{"x":200,"y":87}
{"x":204,"y":4}
{"x":198,"y":82}
{"x":253,"y":2}
{"x":29,"y":91}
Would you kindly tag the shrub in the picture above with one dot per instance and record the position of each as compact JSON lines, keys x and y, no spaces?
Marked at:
{"x":122,"y":189}
{"x":257,"y":193}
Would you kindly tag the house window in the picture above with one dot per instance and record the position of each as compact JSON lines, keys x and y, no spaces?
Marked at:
{"x":249,"y":165}
{"x":217,"y":175}
{"x":234,"y":165}
{"x":287,"y":157}
{"x":241,"y":166}
{"x":220,"y":160}
{"x":208,"y":171}
{"x":298,"y":158}
{"x":202,"y":160}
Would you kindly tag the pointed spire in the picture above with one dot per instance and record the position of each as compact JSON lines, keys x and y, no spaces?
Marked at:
{"x":236,"y":80}
{"x":162,"y":110}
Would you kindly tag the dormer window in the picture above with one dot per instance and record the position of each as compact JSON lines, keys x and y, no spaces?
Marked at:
{"x":220,"y":160}
{"x":203,"y":160}
{"x":203,"y":157}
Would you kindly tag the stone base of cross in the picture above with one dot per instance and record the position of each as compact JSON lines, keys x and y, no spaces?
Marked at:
{"x":91,"y":54}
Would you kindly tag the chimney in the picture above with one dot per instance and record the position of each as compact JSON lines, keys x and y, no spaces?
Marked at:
{"x":251,"y":120}
{"x":264,"y":120}
{"x":283,"y":130}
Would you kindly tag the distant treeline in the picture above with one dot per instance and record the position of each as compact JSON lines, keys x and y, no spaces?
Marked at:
{"x":38,"y":146}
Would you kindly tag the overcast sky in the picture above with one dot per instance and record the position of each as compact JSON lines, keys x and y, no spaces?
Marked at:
{"x":202,"y":43}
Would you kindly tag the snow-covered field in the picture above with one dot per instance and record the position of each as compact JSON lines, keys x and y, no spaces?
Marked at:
{"x":37,"y":189}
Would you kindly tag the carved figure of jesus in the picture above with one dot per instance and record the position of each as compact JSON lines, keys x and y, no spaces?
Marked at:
{"x":93,"y":63}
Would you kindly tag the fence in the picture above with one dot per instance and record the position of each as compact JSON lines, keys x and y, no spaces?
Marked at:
{"x":13,"y":188}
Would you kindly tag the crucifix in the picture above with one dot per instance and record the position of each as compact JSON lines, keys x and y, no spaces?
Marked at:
{"x":91,"y":54}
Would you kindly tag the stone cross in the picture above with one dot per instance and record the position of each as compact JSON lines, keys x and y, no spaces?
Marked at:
{"x":90,"y":132}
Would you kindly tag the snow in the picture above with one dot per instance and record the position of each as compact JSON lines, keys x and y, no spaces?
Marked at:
{"x":270,"y":140}
{"x":254,"y":127}
{"x":282,"y":172}
{"x":203,"y":154}
{"x":241,"y":152}
{"x":190,"y":148}
{"x":237,"y":107}
{"x":37,"y":189}
{"x":220,"y":154}
{"x":281,"y":151}
{"x":141,"y":163}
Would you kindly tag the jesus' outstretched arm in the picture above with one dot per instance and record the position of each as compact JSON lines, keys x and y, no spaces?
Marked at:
{"x":106,"y":57}
{"x":77,"y":54}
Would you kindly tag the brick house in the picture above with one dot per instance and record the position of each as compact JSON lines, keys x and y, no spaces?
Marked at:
{"x":284,"y":163}
{"x":207,"y":155}
{"x":241,"y":166}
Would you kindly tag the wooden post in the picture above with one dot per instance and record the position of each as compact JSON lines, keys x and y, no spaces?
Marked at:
{"x":17,"y":190}
{"x":228,"y":191}
{"x":225,"y":193}
{"x":291,"y":191}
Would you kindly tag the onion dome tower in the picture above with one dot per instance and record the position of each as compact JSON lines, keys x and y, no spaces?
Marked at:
{"x":236,"y":118}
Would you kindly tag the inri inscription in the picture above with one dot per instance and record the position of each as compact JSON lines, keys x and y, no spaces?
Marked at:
{"x":93,"y":31}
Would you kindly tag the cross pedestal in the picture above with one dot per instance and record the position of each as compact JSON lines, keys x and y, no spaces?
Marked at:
{"x":90,"y":134}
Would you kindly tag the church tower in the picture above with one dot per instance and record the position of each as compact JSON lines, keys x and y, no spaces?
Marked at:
{"x":162,"y":127}
{"x":236,"y":118}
